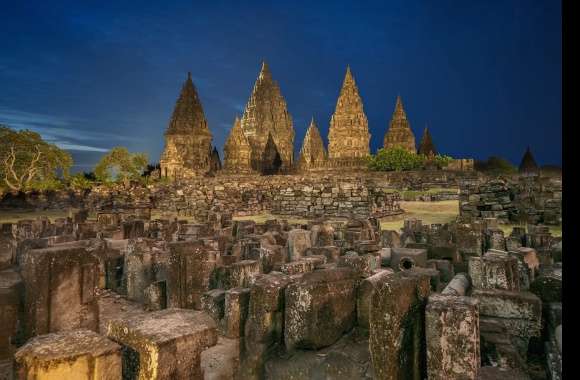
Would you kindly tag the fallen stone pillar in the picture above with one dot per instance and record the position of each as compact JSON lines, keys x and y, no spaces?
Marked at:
{"x":164,"y":344}
{"x":458,"y":286}
{"x":452,"y":335}
{"x":74,"y":354}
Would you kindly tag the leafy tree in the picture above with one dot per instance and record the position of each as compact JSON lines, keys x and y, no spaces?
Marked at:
{"x":27,"y":161}
{"x":442,"y":160}
{"x":120,"y":165}
{"x":397,"y":159}
{"x":80,"y":181}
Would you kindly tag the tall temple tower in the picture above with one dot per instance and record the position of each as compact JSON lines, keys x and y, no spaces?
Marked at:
{"x":400,"y":133}
{"x":266,"y":113}
{"x":312,"y":154}
{"x":427,"y":147}
{"x":237,"y":150}
{"x":188,"y":145}
{"x":348,"y":136}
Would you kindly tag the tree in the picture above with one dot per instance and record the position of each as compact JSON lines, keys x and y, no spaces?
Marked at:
{"x":120,"y":165}
{"x":396,"y":158}
{"x":27,"y":161}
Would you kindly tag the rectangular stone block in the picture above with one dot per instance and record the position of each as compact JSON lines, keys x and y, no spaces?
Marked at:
{"x":74,"y":354}
{"x":494,"y":270}
{"x":164,"y":344}
{"x":319,"y":308}
{"x":236,"y":312}
{"x":11,"y":292}
{"x":190,"y":270}
{"x":397,"y":326}
{"x":364,"y":296}
{"x":452,"y":337}
{"x":407,"y":258}
{"x":59,"y":289}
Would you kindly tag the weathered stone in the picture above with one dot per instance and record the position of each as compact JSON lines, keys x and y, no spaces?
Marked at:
{"x":399,"y":133}
{"x":452,"y":335}
{"x":60,"y":284}
{"x":319,"y":308}
{"x":364,"y":265}
{"x":312,"y":154}
{"x":237,"y":150}
{"x":156,"y":296}
{"x":408,"y":258}
{"x":11,"y":289}
{"x":164,"y":344}
{"x":364,"y":296}
{"x":297,"y":244}
{"x":191,"y":267}
{"x":74,"y":354}
{"x":495,"y":270}
{"x":458,"y":286}
{"x":188,"y":146}
{"x":236,"y":311}
{"x":348,"y":136}
{"x":266,"y":115}
{"x":396,"y":326}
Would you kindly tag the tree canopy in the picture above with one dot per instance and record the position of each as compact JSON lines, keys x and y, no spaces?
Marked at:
{"x":27,"y":161}
{"x":496,"y":166}
{"x":399,"y":159}
{"x":120,"y":165}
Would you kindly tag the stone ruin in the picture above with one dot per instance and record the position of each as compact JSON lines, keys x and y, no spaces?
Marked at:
{"x":127,"y":296}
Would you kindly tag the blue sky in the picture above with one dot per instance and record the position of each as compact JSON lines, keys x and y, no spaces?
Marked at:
{"x":486,"y":76}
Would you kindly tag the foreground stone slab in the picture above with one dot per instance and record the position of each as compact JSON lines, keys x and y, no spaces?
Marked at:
{"x":494,"y":270}
{"x":74,"y":354}
{"x":164,"y":344}
{"x":319,"y":308}
{"x":452,"y":333}
{"x":59,"y":291}
{"x":397,"y":326}
{"x":364,"y":296}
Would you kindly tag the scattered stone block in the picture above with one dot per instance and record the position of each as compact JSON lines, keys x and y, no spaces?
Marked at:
{"x":59,"y":289}
{"x":320,"y":307}
{"x":494,"y":270}
{"x":397,"y":327}
{"x":11,"y":291}
{"x":236,"y":312}
{"x":364,"y":296}
{"x":297,"y":244}
{"x":75,"y":354}
{"x":452,"y":337}
{"x":164,"y":344}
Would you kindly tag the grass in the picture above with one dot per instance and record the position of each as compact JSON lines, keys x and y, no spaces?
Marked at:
{"x":428,"y":212}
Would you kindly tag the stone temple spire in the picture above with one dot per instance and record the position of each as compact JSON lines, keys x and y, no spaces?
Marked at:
{"x":188,"y":115}
{"x":427,"y":147}
{"x":348,"y":136}
{"x":312,"y":155}
{"x":188,"y":146}
{"x":528,"y":164}
{"x":400,"y":133}
{"x":266,"y":113}
{"x":237,"y":150}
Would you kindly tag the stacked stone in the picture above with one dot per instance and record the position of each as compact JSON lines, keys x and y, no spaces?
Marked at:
{"x":348,"y":136}
{"x":188,"y":148}
{"x":237,"y":151}
{"x":529,"y":199}
{"x":399,"y":133}
{"x":266,"y":113}
{"x":313,"y":154}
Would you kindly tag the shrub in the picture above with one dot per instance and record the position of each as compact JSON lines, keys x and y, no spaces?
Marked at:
{"x":395,"y":159}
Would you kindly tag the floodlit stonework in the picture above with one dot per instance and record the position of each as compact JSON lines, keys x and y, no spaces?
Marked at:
{"x":348,"y":136}
{"x":313,"y":154}
{"x":400,"y":133}
{"x":188,"y":146}
{"x":237,"y":150}
{"x":266,"y":113}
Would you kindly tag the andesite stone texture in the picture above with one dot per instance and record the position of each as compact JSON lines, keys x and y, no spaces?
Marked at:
{"x":399,"y":133}
{"x":348,"y":136}
{"x":188,"y":146}
{"x":266,"y":114}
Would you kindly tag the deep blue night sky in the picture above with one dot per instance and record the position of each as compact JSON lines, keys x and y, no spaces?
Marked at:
{"x":486,"y":76}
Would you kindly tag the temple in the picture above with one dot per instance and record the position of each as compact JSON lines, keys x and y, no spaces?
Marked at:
{"x":188,"y":147}
{"x":400,"y":133}
{"x":427,"y":147}
{"x":237,"y":151}
{"x":266,"y":113}
{"x":312,"y":155}
{"x":348,"y":136}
